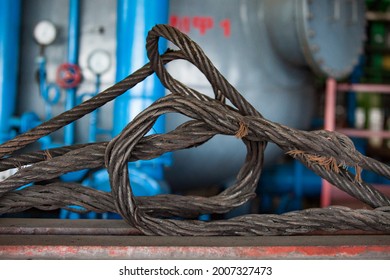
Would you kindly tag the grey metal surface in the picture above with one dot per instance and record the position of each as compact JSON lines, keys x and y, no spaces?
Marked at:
{"x":339,"y":28}
{"x":219,"y":241}
{"x":22,"y":226}
{"x":326,"y":35}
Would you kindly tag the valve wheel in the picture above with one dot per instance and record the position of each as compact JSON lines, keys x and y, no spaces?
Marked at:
{"x":68,"y":75}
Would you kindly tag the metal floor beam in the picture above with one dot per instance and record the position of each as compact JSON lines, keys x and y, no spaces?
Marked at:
{"x":113,"y":239}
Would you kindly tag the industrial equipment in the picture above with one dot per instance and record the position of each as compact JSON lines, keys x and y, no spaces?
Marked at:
{"x":267,"y":49}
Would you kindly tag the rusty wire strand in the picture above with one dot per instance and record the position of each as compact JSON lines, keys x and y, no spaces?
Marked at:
{"x":326,"y":153}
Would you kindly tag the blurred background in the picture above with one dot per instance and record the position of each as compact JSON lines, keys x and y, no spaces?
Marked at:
{"x":308,"y":64}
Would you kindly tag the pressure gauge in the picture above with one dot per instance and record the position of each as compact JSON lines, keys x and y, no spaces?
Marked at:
{"x":45,"y":32}
{"x":99,"y":61}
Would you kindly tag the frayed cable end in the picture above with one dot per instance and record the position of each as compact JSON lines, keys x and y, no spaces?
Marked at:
{"x":242,"y":130}
{"x":329,"y":163}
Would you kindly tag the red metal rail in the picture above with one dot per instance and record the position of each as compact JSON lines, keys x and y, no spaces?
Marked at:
{"x":330,"y":122}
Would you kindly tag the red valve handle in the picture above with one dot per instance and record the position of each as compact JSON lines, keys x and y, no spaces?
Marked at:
{"x":68,"y":75}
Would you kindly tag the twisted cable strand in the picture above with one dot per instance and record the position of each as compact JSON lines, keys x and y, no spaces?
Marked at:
{"x":84,"y":108}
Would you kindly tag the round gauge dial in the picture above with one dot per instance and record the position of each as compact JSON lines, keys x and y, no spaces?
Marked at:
{"x":99,"y":61}
{"x":45,"y":32}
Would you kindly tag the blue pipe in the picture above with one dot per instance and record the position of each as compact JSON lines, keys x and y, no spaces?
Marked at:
{"x":10,"y":16}
{"x":50,"y":92}
{"x":93,"y":121}
{"x":73,"y":54}
{"x":134,"y":19}
{"x":43,"y":86}
{"x":94,"y":129}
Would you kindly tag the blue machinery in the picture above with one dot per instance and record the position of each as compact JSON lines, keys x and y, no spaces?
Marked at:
{"x":10,"y":21}
{"x":134,"y":19}
{"x":73,"y":55}
{"x":9,"y":58}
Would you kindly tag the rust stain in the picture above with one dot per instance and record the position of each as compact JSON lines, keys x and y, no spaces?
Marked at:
{"x":146,"y":252}
{"x":318,"y":251}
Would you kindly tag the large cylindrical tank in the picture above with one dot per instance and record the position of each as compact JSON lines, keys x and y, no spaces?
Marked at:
{"x":268,"y":50}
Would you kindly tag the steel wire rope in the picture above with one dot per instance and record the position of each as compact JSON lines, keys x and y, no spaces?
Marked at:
{"x":326,"y":153}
